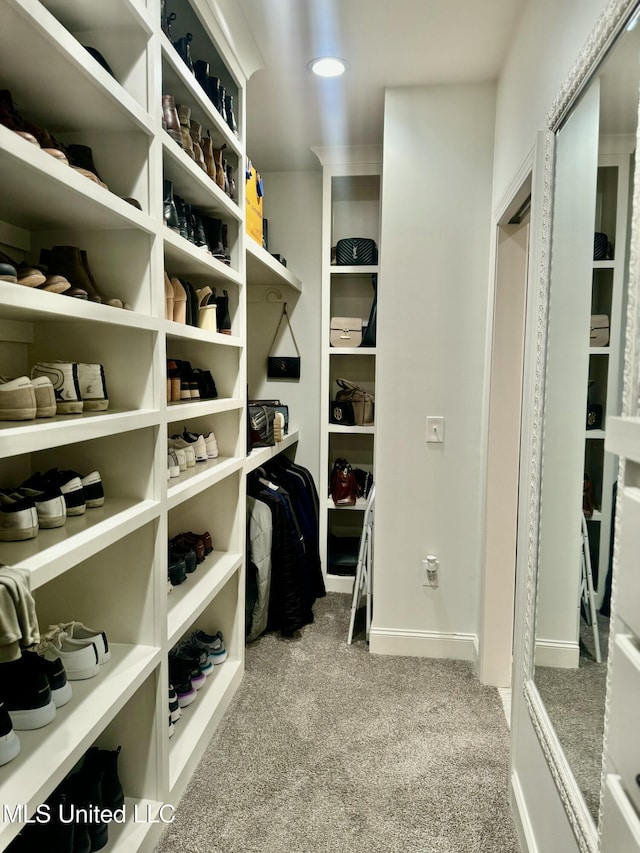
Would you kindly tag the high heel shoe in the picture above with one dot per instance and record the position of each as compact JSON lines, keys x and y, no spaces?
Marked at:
{"x":168,"y":298}
{"x":207,"y":310}
{"x":179,"y":301}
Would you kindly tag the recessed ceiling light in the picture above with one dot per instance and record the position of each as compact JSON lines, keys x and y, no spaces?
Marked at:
{"x":328,"y":66}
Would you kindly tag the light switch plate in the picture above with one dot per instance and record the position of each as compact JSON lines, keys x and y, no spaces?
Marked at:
{"x":435,"y":429}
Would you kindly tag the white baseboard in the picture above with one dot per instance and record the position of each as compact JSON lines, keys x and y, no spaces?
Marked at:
{"x":424,"y":644}
{"x":521,"y":817}
{"x":557,"y":653}
{"x":339,"y":583}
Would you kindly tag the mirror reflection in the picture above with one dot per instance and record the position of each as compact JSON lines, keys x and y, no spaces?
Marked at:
{"x":595,"y":149}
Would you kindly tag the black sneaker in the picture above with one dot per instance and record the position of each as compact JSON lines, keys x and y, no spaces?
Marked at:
{"x":56,"y":675}
{"x":26,"y":694}
{"x":9,"y":740}
{"x":177,"y":574}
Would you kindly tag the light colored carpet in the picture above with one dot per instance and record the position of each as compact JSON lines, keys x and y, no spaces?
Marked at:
{"x":329,"y":749}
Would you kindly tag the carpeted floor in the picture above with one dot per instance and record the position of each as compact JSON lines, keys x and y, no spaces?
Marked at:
{"x":328,"y":749}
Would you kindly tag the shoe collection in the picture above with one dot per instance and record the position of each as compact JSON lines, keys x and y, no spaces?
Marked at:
{"x":189,"y":135}
{"x":186,"y":552}
{"x":55,"y":387}
{"x":92,"y":788}
{"x":190,"y":662}
{"x":211,"y":86}
{"x":185,"y":383}
{"x":46,"y":501}
{"x":201,"y":307}
{"x":62,"y":269}
{"x":37,"y":683}
{"x":186,"y":450}
{"x":203,"y":231}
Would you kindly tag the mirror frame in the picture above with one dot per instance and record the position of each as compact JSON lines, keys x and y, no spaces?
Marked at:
{"x":609,"y":26}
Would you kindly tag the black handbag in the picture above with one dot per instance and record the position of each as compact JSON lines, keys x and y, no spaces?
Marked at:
{"x":602,"y":249}
{"x":279,"y":366}
{"x":342,"y":413}
{"x":356,"y":251}
{"x":369,"y":337}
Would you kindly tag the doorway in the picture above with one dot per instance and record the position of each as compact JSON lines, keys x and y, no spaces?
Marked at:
{"x":503,"y":440}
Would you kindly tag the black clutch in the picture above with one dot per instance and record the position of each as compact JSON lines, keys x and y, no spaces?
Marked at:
{"x":356,"y":251}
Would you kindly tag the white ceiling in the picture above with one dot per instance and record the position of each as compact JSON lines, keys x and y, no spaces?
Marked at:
{"x":387,"y":43}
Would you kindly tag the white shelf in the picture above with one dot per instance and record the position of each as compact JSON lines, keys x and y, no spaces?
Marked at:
{"x":199,"y":717}
{"x":599,"y":350}
{"x":188,"y":600}
{"x":352,"y":351}
{"x":194,"y":185}
{"x":195,"y":480}
{"x":352,"y":430}
{"x":592,"y":434}
{"x":604,"y":265}
{"x":77,"y":16}
{"x":183,"y":257}
{"x":142,"y":819}
{"x":371,"y":269}
{"x":53,"y":552}
{"x":18,"y":437}
{"x":181,"y":331}
{"x":28,"y":304}
{"x":202,"y":408}
{"x":49,"y":753}
{"x":263,"y":268}
{"x":360,"y":505}
{"x":261,"y":455}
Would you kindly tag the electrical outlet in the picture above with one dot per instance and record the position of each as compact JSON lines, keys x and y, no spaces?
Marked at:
{"x":430,"y":568}
{"x":435,"y":429}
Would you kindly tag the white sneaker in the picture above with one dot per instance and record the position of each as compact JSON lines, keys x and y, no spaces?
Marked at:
{"x":18,"y":518}
{"x":173,"y":466}
{"x":80,"y":661}
{"x":181,"y":447}
{"x":93,"y":387}
{"x":45,"y":397}
{"x":212,"y":445}
{"x":197,"y":442}
{"x":64,"y":378}
{"x":50,"y":505}
{"x":17,"y":399}
{"x":79,"y":635}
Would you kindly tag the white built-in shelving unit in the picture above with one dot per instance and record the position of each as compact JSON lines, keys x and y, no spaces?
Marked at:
{"x":108,"y":568}
{"x":351,"y":208}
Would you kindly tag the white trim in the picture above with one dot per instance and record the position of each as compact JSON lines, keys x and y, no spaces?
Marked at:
{"x":514,"y":194}
{"x":521,"y":817}
{"x":557,"y":653}
{"x":340,"y":155}
{"x":427,"y":644}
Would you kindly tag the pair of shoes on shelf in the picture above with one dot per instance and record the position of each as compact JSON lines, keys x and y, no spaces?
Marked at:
{"x":78,"y":386}
{"x":25,"y":399}
{"x":175,"y":711}
{"x":191,"y":661}
{"x":27,"y":275}
{"x":82,"y":650}
{"x":44,"y":501}
{"x":78,"y":157}
{"x":71,"y":264}
{"x":205,"y":446}
{"x":77,"y":808}
{"x":200,"y":543}
{"x":213,"y":89}
{"x":32,"y":688}
{"x":203,"y":231}
{"x":185,"y":383}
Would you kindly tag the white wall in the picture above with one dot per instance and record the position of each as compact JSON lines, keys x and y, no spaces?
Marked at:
{"x":436,"y":202}
{"x":293,"y":207}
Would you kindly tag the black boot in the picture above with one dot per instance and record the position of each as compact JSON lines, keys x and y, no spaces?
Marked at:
{"x":170,"y":211}
{"x":222,"y":313}
{"x":230,"y":117}
{"x":213,"y":232}
{"x":201,"y":70}
{"x":182,"y":217}
{"x":369,"y":338}
{"x":213,"y":89}
{"x":222,"y":103}
{"x":224,"y":232}
{"x":184,"y":50}
{"x":200,"y":238}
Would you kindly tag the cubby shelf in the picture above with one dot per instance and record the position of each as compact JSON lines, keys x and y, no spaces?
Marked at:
{"x":188,"y":600}
{"x":47,"y":754}
{"x":205,"y":474}
{"x":191,"y":260}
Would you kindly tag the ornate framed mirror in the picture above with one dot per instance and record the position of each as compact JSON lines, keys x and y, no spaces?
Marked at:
{"x":584,"y":285}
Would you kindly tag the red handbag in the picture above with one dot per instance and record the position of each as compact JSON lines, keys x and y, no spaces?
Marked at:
{"x":343,"y":486}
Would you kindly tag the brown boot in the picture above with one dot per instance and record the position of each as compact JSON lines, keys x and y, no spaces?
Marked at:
{"x":170,"y":114}
{"x":220,"y":176}
{"x":195,"y":131}
{"x":207,"y":149}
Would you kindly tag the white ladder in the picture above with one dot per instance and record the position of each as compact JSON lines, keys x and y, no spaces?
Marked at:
{"x":586,"y":589}
{"x":362,"y":581}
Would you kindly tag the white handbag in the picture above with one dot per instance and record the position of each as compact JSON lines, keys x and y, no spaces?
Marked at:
{"x":346,"y":332}
{"x":599,"y":333}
